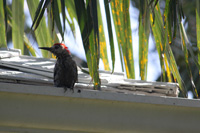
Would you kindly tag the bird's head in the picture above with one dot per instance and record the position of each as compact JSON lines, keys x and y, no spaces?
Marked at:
{"x":57,"y":49}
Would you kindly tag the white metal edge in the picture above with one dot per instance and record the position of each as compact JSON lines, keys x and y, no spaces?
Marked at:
{"x":95,"y":94}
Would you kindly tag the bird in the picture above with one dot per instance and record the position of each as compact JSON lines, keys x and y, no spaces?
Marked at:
{"x":65,"y":70}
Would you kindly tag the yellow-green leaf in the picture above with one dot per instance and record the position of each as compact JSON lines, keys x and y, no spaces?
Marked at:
{"x":121,"y":18}
{"x":29,"y":46}
{"x":165,"y":49}
{"x":144,"y":29}
{"x":102,"y":40}
{"x":18,"y":24}
{"x":198,"y":28}
{"x":110,"y":33}
{"x":42,"y":33}
{"x":185,"y":43}
{"x":2,"y":27}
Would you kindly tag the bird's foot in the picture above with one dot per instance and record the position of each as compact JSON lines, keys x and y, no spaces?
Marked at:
{"x":65,"y":89}
{"x":71,"y":89}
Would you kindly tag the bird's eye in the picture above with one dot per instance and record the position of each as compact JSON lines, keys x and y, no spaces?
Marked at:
{"x":56,"y":47}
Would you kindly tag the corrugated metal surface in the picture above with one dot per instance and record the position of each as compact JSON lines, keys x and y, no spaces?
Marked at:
{"x":30,"y":70}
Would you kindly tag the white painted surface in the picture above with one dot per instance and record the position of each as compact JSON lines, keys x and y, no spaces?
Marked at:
{"x":31,"y":108}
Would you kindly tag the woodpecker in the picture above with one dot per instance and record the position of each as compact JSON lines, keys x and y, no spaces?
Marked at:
{"x":65,"y":70}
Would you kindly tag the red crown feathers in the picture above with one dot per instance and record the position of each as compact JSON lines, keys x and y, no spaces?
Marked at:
{"x":65,"y":47}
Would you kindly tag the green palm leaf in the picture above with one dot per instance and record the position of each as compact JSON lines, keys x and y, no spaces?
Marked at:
{"x":72,"y":13}
{"x":56,"y":18}
{"x":42,"y":33}
{"x":144,"y":29}
{"x":165,"y":47}
{"x":29,"y":46}
{"x":102,"y":40}
{"x":110,"y":33}
{"x":88,"y":23}
{"x":198,"y":28}
{"x":121,"y":18}
{"x":18,"y":24}
{"x":184,"y":47}
{"x":2,"y":26}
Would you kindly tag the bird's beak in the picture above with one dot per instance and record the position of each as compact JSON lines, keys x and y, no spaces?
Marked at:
{"x":46,"y":48}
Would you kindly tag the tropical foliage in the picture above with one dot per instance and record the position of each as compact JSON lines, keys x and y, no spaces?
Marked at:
{"x":166,"y":25}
